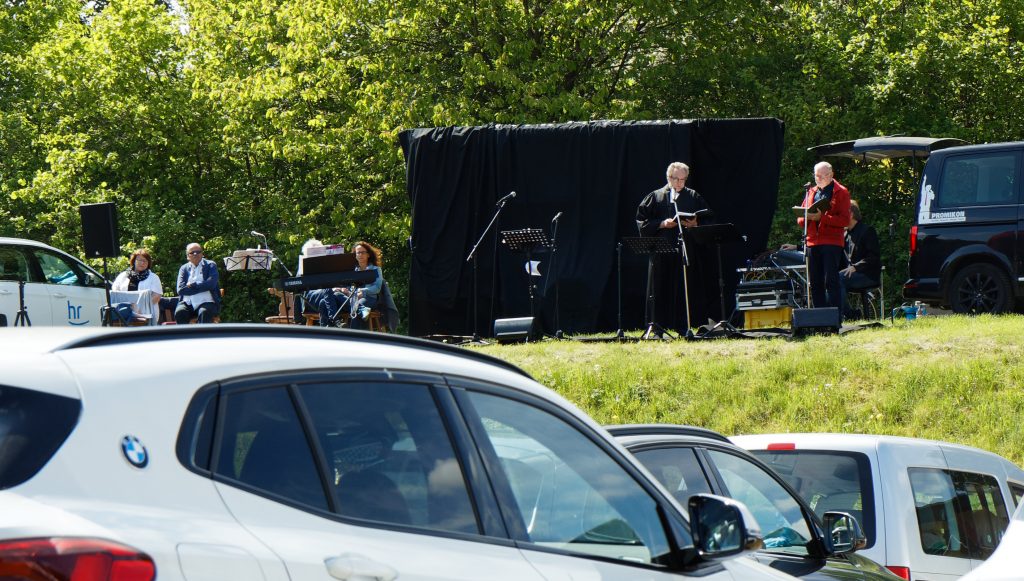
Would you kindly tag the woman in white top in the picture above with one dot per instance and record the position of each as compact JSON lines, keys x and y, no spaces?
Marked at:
{"x":138,"y":276}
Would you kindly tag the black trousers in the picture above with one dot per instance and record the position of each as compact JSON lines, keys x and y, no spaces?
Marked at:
{"x":824,"y":262}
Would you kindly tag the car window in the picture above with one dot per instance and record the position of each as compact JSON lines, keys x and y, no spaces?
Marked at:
{"x":386,"y":453}
{"x":390,"y":456}
{"x":959,"y":514}
{"x":13,"y":265}
{"x":677,"y":469}
{"x":33,"y":425}
{"x":828,"y":481}
{"x":570,"y":493}
{"x":782,"y":520}
{"x":1017,"y":491}
{"x":263,"y":445}
{"x":58,"y":270}
{"x":978,"y":180}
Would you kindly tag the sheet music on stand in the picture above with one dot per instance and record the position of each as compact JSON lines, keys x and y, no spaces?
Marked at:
{"x":249,"y":259}
{"x":650,"y":245}
{"x":526,"y":240}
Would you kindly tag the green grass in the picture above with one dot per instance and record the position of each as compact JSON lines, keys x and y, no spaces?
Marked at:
{"x":947,"y":378}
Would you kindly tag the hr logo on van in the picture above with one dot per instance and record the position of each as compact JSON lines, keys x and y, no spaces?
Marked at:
{"x":925,"y":214}
{"x":75,"y":312}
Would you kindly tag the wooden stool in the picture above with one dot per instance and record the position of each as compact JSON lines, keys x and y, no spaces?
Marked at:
{"x":285,"y":310}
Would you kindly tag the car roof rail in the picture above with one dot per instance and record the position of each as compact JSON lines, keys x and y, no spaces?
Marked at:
{"x":177,"y":332}
{"x":664,"y":429}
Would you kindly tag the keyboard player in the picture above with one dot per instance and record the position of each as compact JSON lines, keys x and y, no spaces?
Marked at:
{"x":336,"y":283}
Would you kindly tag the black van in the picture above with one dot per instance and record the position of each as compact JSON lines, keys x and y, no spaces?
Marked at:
{"x":965,"y":245}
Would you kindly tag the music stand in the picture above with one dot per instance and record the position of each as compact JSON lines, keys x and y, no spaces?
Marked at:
{"x":249,"y":260}
{"x":717,"y":234}
{"x":527,"y":241}
{"x":651,"y":245}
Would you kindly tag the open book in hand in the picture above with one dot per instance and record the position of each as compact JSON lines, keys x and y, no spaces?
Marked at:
{"x":705,"y":214}
{"x":821,"y":205}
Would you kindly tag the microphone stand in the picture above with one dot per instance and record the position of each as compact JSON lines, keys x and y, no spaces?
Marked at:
{"x":472,"y":257}
{"x":807,"y":262}
{"x":275,"y":260}
{"x":554,"y":263}
{"x":686,"y":261}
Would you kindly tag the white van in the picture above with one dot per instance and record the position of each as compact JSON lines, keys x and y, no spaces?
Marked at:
{"x":930,"y":510}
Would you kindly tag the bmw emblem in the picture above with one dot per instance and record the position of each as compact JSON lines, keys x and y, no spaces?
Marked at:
{"x":134,"y":452}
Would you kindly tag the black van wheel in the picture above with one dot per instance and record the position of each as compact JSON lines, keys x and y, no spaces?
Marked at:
{"x":979,"y":288}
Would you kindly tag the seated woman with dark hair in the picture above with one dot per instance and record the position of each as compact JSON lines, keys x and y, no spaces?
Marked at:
{"x":138,"y":276}
{"x":362,"y":299}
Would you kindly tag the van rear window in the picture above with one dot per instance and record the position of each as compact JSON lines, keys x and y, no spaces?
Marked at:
{"x":959,"y":514}
{"x":828,"y":481}
{"x":33,"y":425}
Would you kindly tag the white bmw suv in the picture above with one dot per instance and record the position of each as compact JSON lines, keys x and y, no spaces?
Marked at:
{"x":277,"y":453}
{"x":58,"y":289}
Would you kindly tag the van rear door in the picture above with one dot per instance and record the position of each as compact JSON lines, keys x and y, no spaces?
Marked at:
{"x":920,"y":511}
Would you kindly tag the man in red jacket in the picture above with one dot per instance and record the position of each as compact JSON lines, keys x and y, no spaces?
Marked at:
{"x":826,"y":236}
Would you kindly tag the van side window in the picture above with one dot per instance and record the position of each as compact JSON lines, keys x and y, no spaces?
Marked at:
{"x":959,"y":514}
{"x":1017,"y":490}
{"x":13,"y":265}
{"x":978,"y":180}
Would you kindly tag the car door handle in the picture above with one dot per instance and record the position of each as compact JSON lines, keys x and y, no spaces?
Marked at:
{"x":59,"y":295}
{"x":6,"y":292}
{"x":351,"y":566}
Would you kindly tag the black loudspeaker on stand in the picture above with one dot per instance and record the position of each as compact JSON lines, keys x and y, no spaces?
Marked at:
{"x":99,"y":230}
{"x":101,"y":239}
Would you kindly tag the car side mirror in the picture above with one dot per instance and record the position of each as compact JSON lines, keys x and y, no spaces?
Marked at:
{"x":845,"y":534}
{"x":722,"y":527}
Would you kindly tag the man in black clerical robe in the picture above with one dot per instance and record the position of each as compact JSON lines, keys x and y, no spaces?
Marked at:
{"x":657,"y":216}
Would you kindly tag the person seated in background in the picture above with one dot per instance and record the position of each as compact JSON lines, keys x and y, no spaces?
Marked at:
{"x":138,"y":276}
{"x":198,"y":288}
{"x":362,"y":299}
{"x":863,"y":258}
{"x":321,"y":300}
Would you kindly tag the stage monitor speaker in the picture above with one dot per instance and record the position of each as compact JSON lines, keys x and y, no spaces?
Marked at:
{"x":515,"y":330}
{"x":819,"y":321}
{"x":99,"y":230}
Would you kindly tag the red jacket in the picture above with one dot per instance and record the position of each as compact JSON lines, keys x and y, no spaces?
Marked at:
{"x":831,"y":229}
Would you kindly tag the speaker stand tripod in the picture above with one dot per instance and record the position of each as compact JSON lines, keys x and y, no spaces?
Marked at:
{"x":21,"y":319}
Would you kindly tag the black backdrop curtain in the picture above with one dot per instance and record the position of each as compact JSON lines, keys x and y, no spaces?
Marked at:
{"x":595,"y":173}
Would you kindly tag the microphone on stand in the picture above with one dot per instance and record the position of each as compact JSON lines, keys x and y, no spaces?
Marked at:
{"x":505,"y":198}
{"x":557,"y":216}
{"x":260,"y":235}
{"x":808,"y":184}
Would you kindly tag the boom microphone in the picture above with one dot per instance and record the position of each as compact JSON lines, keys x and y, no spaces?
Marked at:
{"x":255,"y":233}
{"x":557,"y":216}
{"x":506,"y":198}
{"x":808,"y":184}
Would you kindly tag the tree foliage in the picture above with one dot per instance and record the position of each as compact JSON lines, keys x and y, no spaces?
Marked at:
{"x":205,"y":119}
